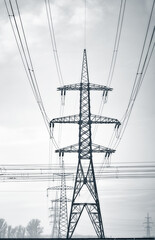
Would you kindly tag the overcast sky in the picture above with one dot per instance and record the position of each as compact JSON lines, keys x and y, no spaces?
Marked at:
{"x":23,"y":135}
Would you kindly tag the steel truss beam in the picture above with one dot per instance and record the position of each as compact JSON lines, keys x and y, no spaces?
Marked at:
{"x":60,"y":200}
{"x":75,"y":148}
{"x":94,"y":119}
{"x":78,"y":86}
{"x":60,"y":188}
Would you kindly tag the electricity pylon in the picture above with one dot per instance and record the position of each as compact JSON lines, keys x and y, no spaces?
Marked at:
{"x":63,"y":215}
{"x":148,"y":225}
{"x":54,"y":218}
{"x":85,"y":175}
{"x":63,"y":221}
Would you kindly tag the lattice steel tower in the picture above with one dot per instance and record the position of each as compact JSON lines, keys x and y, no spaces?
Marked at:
{"x":60,"y":223}
{"x":148,"y":225}
{"x":85,"y":175}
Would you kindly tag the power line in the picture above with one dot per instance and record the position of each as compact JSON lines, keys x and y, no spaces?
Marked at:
{"x":139,"y":79}
{"x":51,"y":178}
{"x":140,"y":74}
{"x":53,"y":41}
{"x":117,"y":41}
{"x":42,"y":172}
{"x":105,"y":190}
{"x":24,"y":51}
{"x":52,"y":166}
{"x":21,"y":41}
{"x":114,"y":57}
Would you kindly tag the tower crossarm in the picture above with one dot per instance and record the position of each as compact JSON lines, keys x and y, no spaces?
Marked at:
{"x":59,"y":200}
{"x":101,"y":149}
{"x":62,"y":174}
{"x":56,"y":200}
{"x":70,"y":149}
{"x":67,"y":119}
{"x":94,"y":119}
{"x":60,"y":187}
{"x":95,"y":149}
{"x":78,"y":86}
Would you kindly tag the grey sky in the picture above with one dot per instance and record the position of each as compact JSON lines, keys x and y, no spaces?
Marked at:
{"x":23,"y":136}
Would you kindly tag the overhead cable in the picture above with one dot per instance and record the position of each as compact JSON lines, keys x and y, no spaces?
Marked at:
{"x":21,"y":41}
{"x":117,"y":41}
{"x":22,"y":44}
{"x":139,"y":79}
{"x":53,"y":41}
{"x":114,"y":57}
{"x":140,"y":74}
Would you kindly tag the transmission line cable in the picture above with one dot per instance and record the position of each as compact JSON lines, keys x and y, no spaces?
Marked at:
{"x":28,"y":60}
{"x":133,"y":89}
{"x":21,"y":41}
{"x":34,"y":80}
{"x":114,"y":57}
{"x":117,"y":41}
{"x":32,"y":69}
{"x":56,"y":57}
{"x":140,"y":74}
{"x":53,"y":41}
{"x":114,"y":142}
{"x":139,"y":79}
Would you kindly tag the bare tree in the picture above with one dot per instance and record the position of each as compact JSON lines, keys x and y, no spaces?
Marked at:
{"x":20,"y":231}
{"x":11,"y":232}
{"x":3,"y":228}
{"x":34,"y":229}
{"x":16,"y":232}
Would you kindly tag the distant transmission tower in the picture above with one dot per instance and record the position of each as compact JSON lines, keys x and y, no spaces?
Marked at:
{"x":61,"y":222}
{"x":85,"y":175}
{"x":54,"y":218}
{"x":148,"y":225}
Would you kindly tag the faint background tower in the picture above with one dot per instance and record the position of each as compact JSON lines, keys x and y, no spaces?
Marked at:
{"x":148,"y":224}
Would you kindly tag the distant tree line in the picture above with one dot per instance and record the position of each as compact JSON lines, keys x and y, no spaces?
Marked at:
{"x":32,"y":230}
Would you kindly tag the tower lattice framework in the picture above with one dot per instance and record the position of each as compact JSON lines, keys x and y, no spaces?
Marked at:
{"x":61,"y":222}
{"x":85,"y":175}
